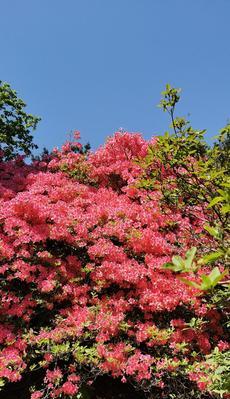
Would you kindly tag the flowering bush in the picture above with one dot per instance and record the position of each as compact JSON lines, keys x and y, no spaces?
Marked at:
{"x":83,"y":283}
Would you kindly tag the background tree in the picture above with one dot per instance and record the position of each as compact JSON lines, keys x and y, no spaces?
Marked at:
{"x":15,"y":124}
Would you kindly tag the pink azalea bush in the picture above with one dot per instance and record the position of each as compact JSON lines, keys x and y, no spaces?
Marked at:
{"x":83,"y":287}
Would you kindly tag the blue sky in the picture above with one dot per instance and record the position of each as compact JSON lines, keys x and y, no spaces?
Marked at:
{"x":98,"y":65}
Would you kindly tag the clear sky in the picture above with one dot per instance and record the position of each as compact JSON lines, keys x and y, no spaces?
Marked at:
{"x":98,"y":65}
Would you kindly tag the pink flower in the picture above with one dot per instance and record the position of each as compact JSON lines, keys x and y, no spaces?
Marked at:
{"x":73,"y":378}
{"x":223,"y":346}
{"x":47,"y":285}
{"x":36,"y":395}
{"x":69,"y":388}
{"x":48,"y":357}
{"x":202,"y":385}
{"x":53,"y":375}
{"x":77,"y":134}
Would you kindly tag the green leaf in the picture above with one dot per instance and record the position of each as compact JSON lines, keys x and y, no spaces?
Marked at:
{"x":211,"y":230}
{"x":178,"y":261}
{"x":210,"y":281}
{"x":171,"y":266}
{"x":215,"y":201}
{"x":168,"y":265}
{"x":206,"y":282}
{"x":190,"y":254}
{"x":226,"y":184}
{"x":211,"y":257}
{"x":2,"y":382}
{"x":215,"y":275}
{"x":225,"y":209}
{"x":190,"y":283}
{"x":222,"y":193}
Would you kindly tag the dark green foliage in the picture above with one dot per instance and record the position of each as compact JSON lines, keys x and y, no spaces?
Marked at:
{"x":15,"y":124}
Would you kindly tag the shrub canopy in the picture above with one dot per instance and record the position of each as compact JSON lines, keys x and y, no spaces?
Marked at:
{"x":114,"y":263}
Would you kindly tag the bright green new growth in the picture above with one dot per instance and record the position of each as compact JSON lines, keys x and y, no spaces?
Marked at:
{"x":200,"y":173}
{"x":183,"y":265}
{"x":200,"y":177}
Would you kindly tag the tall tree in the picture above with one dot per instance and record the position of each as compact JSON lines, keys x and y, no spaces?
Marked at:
{"x":15,"y":124}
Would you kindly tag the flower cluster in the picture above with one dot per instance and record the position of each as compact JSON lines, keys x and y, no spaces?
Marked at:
{"x":82,"y":283}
